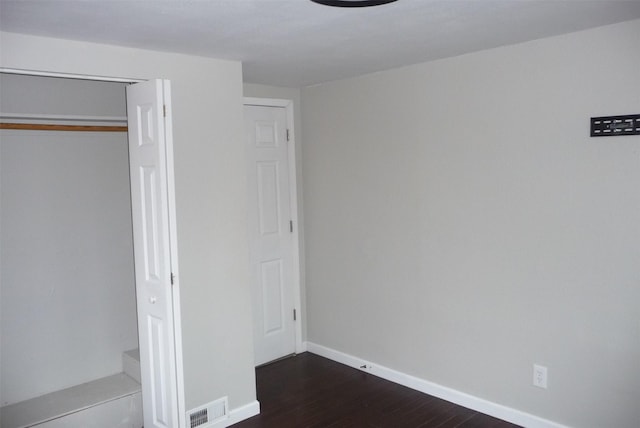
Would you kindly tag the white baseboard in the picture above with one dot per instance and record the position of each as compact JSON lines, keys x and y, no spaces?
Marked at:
{"x":469,"y":401}
{"x":243,"y":412}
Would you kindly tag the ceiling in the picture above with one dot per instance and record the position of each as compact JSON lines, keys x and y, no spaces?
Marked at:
{"x":299,"y":43}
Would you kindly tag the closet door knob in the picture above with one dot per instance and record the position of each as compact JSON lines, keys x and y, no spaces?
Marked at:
{"x":152,"y":300}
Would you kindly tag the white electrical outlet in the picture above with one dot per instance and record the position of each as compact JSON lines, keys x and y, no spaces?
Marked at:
{"x":539,"y":376}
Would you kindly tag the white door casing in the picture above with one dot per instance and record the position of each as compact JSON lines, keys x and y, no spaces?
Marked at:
{"x":150,"y":150}
{"x":271,"y":226}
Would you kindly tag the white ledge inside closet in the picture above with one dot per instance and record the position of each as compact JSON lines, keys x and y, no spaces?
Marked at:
{"x":30,"y":118}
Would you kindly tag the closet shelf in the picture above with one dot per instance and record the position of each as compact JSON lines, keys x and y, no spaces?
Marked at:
{"x":62,"y":117}
{"x":67,"y":401}
{"x":54,"y":127}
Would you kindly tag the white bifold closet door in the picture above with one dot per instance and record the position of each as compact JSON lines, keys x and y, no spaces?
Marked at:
{"x":150,"y":150}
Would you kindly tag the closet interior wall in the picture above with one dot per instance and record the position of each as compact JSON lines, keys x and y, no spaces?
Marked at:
{"x":67,"y":292}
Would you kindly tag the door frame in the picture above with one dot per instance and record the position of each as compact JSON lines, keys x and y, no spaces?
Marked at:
{"x":173,"y":244}
{"x":293,"y":198}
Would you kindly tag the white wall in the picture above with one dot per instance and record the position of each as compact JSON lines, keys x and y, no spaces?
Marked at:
{"x":46,"y":95}
{"x":68,"y":292}
{"x":293,"y":94}
{"x":210,"y":199}
{"x":461,"y":225}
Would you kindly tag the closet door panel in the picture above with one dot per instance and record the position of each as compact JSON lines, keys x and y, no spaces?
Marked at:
{"x":150,"y":189}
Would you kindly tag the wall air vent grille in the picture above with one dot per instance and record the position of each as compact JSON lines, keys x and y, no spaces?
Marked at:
{"x":611,"y":126}
{"x":210,"y":415}
{"x":199,"y":418}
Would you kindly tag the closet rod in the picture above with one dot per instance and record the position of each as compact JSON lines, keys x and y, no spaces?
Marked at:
{"x":47,"y":127}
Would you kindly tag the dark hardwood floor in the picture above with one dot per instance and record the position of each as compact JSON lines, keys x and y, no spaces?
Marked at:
{"x":310,"y":391}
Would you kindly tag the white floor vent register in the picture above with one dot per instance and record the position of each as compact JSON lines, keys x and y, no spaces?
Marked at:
{"x":209,"y":415}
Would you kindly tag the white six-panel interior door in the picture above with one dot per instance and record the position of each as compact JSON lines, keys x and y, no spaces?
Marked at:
{"x":149,"y":148}
{"x":270,"y":232}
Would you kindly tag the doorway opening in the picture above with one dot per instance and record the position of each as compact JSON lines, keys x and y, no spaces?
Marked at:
{"x":68,"y":291}
{"x":69,"y":317}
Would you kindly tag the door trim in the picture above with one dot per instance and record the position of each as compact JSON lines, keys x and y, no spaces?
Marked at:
{"x":293,"y":198}
{"x":173,"y":245}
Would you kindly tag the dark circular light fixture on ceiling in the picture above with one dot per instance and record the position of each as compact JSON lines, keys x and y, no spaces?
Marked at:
{"x":352,"y":3}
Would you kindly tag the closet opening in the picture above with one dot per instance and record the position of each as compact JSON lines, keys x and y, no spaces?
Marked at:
{"x":68,"y":326}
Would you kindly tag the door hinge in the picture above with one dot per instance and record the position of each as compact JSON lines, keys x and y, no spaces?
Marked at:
{"x":172,"y":278}
{"x":291,"y":226}
{"x":295,"y":315}
{"x":164,"y":110}
{"x":288,"y":135}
